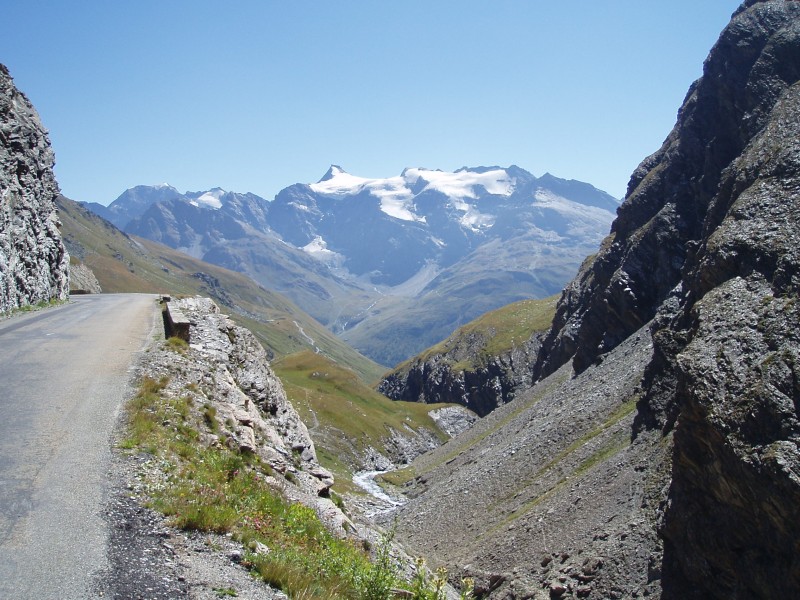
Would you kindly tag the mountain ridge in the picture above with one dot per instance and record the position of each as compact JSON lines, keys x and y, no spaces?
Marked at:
{"x":362,"y":255}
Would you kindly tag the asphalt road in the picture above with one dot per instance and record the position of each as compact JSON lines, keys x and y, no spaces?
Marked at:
{"x":64,"y":374}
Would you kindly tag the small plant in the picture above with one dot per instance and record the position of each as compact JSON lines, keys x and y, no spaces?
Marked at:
{"x":145,"y":413}
{"x":210,"y":417}
{"x":38,"y":306}
{"x":182,"y":405}
{"x":425,"y":588}
{"x":379,"y":582}
{"x":226,"y":592}
{"x":467,"y":588}
{"x":177,"y":344}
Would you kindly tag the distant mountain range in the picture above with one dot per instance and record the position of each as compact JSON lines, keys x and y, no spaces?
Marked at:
{"x":390,"y":265}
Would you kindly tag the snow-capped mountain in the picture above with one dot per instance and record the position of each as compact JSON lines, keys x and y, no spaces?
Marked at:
{"x":392,"y":265}
{"x":388,"y":230}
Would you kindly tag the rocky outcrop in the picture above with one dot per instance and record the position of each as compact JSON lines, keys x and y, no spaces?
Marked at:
{"x":82,"y":279}
{"x":438,"y":378}
{"x":453,"y":419}
{"x":226,"y":372}
{"x":480,"y":366}
{"x":34,"y":265}
{"x":699,"y":496}
{"x":672,"y":201}
{"x":726,"y":374}
{"x":707,"y":243}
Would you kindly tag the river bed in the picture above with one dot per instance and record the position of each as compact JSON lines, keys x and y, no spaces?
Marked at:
{"x":383,"y":502}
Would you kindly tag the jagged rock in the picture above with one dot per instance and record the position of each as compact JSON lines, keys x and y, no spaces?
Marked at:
{"x":227,"y":372}
{"x":707,"y":243}
{"x":460,"y":371}
{"x":672,"y":201}
{"x":82,"y":280}
{"x":375,"y":461}
{"x":453,"y":419}
{"x":404,"y":446}
{"x":251,"y":389}
{"x":34,"y":264}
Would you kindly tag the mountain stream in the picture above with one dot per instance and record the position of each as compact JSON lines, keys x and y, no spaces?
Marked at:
{"x":382,"y":502}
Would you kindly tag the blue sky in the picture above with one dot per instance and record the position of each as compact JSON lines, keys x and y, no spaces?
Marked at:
{"x":257,"y":95}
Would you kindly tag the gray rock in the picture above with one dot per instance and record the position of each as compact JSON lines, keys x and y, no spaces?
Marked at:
{"x":453,"y":419}
{"x":34,"y":264}
{"x":228,"y":374}
{"x":82,"y":280}
{"x":434,"y":377}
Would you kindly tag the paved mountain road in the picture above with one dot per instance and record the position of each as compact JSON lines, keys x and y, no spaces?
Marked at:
{"x":64,"y":373}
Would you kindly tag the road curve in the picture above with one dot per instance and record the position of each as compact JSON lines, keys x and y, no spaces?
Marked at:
{"x":64,"y":373}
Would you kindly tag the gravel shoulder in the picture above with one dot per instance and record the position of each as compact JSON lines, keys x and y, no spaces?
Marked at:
{"x":150,"y":560}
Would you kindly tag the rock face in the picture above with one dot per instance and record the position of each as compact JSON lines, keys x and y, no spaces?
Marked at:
{"x":700,"y":496}
{"x":707,"y":243}
{"x":33,"y":261}
{"x":674,"y":198}
{"x":82,"y":280}
{"x":482,"y":365}
{"x":438,"y":379}
{"x":256,"y":400}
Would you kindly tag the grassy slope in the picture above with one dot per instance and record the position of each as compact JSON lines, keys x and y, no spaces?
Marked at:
{"x":125,"y":263}
{"x":501,"y":330}
{"x":344,"y":416}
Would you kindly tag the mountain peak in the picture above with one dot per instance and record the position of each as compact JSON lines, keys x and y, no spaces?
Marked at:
{"x":332,"y":172}
{"x":208,"y":199}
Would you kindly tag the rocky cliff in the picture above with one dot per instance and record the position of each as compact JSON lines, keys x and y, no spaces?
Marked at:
{"x":674,"y":196}
{"x":481,"y":388}
{"x":82,"y":279}
{"x":33,"y":261}
{"x":707,"y":243}
{"x":483,"y":365}
{"x":669,"y":468}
